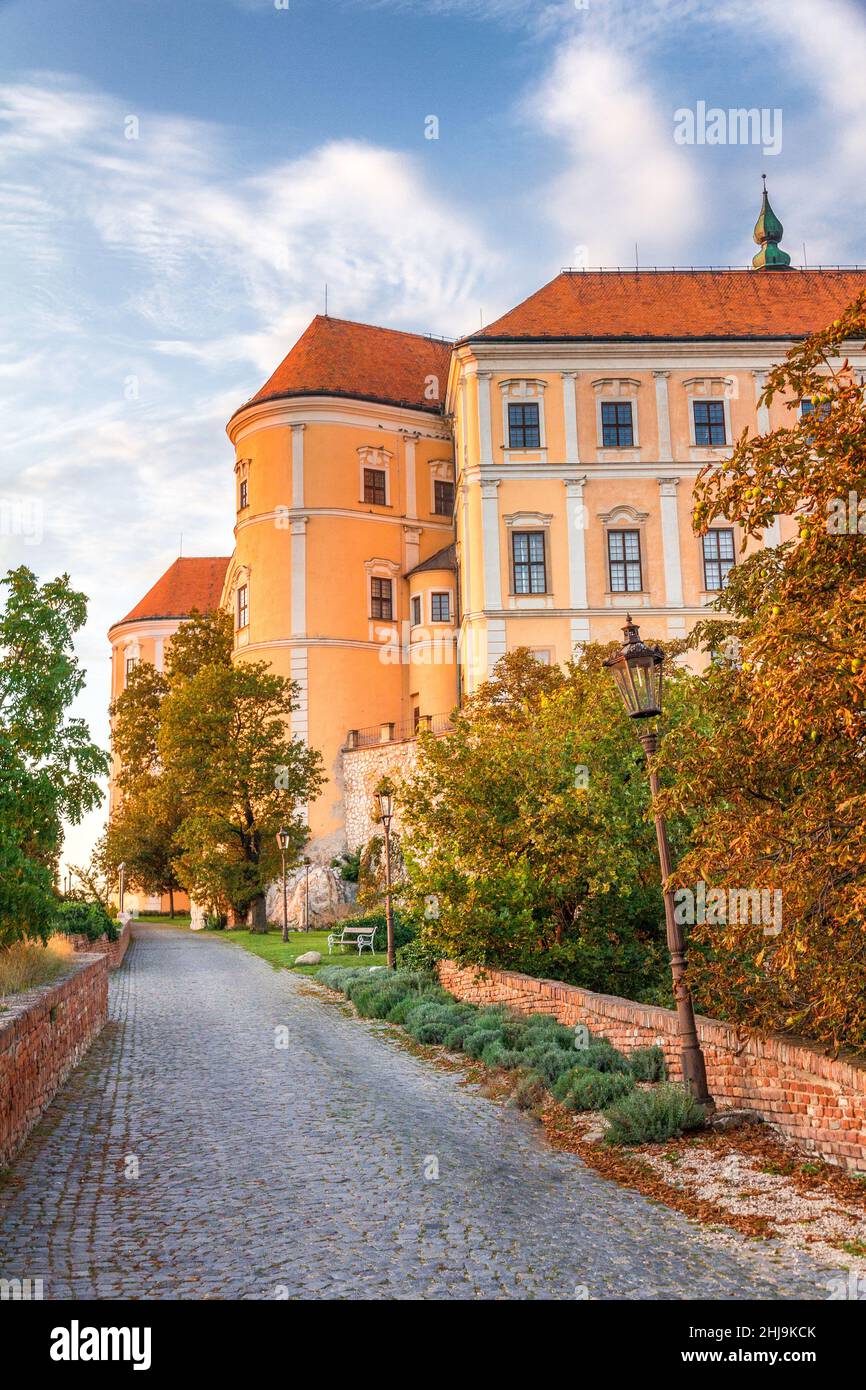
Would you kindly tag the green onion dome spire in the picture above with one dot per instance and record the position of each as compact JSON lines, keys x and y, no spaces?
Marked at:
{"x":768,"y":234}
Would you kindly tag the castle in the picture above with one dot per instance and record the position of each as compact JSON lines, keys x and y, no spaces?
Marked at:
{"x":409,"y":509}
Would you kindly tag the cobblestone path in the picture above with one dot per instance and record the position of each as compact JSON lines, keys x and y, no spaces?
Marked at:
{"x":266,"y":1171}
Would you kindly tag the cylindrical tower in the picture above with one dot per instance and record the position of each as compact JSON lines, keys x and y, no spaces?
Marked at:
{"x":344,"y":473}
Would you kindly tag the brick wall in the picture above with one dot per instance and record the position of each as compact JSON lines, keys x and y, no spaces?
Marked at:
{"x":812,"y":1098}
{"x":114,"y":950}
{"x":43,"y":1034}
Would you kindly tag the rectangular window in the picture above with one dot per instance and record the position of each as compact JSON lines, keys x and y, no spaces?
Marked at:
{"x":416,"y":610}
{"x":809,"y":407}
{"x":718,"y":558}
{"x":243,"y":612}
{"x":440,"y":608}
{"x":623,"y":553}
{"x":710,"y":429}
{"x":243,"y":495}
{"x":381,"y":605}
{"x":131,"y":663}
{"x":617,"y":426}
{"x":374,"y":487}
{"x":443,"y":498}
{"x":524,"y":427}
{"x":530,"y":568}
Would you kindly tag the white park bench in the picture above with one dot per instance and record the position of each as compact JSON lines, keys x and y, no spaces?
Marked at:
{"x":353,"y":936}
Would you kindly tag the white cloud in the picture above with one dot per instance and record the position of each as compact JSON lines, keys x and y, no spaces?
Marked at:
{"x":624,"y":179}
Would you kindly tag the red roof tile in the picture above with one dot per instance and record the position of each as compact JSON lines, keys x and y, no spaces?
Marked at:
{"x":674,"y":304}
{"x":191,"y":582}
{"x":335,"y":357}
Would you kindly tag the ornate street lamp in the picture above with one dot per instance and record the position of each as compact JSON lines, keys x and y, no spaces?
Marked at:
{"x":637,"y":670}
{"x":283,"y":839}
{"x":307,"y":862}
{"x":385,"y":807}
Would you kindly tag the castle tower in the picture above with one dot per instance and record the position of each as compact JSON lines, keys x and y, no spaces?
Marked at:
{"x":344,"y":485}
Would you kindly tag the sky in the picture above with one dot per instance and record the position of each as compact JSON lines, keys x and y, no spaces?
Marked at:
{"x":180,"y":179}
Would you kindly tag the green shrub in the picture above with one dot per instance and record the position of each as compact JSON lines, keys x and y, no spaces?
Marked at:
{"x":496,"y":1054}
{"x":85,"y":919}
{"x":648,"y":1064}
{"x":475,"y":1042}
{"x":600,"y":1056}
{"x":530,"y":1091}
{"x":579,"y":1089}
{"x":404,"y":932}
{"x":417,"y":955}
{"x":650,"y":1117}
{"x":339,"y":977}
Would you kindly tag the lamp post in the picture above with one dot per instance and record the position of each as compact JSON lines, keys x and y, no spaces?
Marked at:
{"x":122,"y":870}
{"x":385,"y":805}
{"x":307,"y":861}
{"x":283,"y":842}
{"x":637,"y":670}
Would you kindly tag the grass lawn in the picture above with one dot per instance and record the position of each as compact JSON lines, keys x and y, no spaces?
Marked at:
{"x":281,"y":955}
{"x":180,"y":920}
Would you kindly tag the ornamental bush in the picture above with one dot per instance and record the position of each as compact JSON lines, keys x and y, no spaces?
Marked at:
{"x":648,"y":1064}
{"x":591,"y":1090}
{"x":651,"y":1117}
{"x":85,"y":919}
{"x":601,"y":1056}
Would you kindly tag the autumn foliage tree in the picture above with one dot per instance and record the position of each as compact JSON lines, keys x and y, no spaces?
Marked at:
{"x":771,"y":763}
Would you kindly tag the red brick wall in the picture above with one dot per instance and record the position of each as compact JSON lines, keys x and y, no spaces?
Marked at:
{"x":43,"y":1034}
{"x":814,"y":1099}
{"x":114,"y":950}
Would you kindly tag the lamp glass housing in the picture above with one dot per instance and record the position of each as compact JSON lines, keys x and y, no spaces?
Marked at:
{"x":637,"y":670}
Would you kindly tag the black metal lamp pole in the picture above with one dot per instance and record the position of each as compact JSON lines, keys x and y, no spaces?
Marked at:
{"x":307,"y":895}
{"x":283,"y":842}
{"x":385,"y":801}
{"x":637,"y":670}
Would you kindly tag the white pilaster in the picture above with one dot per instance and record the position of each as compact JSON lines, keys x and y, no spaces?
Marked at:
{"x":411,"y":486}
{"x":300,"y":674}
{"x":664,"y":417}
{"x":495,"y":642}
{"x":490,"y":541}
{"x":298,"y":465}
{"x":575,"y":513}
{"x":484,"y":429}
{"x":411,"y":547}
{"x":763,"y":410}
{"x":569,"y":404}
{"x":299,"y":575}
{"x":671,"y":541}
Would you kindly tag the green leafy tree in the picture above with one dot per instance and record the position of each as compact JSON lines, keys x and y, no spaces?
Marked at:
{"x":225,"y":742}
{"x":49,"y":767}
{"x":526,"y":836}
{"x":770,"y":764}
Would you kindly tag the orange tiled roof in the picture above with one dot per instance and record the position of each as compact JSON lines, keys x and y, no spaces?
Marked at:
{"x":191,"y":582}
{"x":335,"y":357}
{"x":673,"y":304}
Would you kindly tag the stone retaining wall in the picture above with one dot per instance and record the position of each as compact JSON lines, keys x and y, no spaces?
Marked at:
{"x":814,"y":1099}
{"x":43,"y":1034}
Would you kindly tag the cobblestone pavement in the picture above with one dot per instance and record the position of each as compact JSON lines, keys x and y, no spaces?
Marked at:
{"x":267,"y":1171}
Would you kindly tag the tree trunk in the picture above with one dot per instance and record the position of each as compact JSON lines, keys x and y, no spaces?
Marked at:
{"x":258,"y":917}
{"x":170,"y":901}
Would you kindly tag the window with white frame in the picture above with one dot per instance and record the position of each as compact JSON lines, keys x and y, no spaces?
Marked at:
{"x":375,"y":487}
{"x":381,"y":598}
{"x":443,"y":497}
{"x":524,"y":425}
{"x":130,"y":665}
{"x":623,"y":558}
{"x":529,"y":562}
{"x":709,"y":421}
{"x":242,"y":606}
{"x":440,"y":607}
{"x":243,"y":494}
{"x":416,"y":610}
{"x":617,"y":425}
{"x":718,"y":549}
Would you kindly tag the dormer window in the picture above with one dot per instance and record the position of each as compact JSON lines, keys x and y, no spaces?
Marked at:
{"x":524,"y":425}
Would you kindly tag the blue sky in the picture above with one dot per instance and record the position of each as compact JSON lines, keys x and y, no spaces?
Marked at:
{"x":150,"y":285}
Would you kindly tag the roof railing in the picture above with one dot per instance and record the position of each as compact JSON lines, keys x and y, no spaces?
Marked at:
{"x":394,"y":732}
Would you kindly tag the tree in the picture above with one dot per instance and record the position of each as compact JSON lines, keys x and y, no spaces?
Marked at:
{"x":142,"y":835}
{"x":49,"y":768}
{"x":526,"y":836}
{"x":770,"y":764}
{"x":225,"y":743}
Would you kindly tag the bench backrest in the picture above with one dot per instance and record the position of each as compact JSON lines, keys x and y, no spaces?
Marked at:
{"x":359,"y":931}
